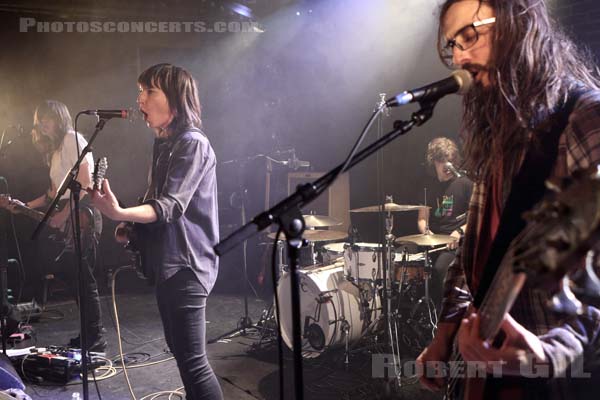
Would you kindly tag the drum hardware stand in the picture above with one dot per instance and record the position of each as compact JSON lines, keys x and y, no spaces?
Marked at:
{"x":266,"y":316}
{"x":287,"y":214}
{"x":388,"y":277}
{"x":345,"y":331}
{"x":429,"y":271}
{"x":4,"y":304}
{"x":244,"y":323}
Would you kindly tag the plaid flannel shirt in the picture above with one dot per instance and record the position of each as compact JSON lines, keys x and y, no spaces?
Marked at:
{"x":564,"y":340}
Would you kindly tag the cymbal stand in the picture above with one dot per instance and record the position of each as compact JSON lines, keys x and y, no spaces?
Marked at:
{"x":428,"y":271}
{"x":388,"y":273}
{"x":269,"y":313}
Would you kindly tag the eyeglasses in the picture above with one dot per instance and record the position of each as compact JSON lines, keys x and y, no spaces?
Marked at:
{"x":464,"y":39}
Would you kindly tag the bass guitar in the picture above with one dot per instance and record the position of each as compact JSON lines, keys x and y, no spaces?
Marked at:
{"x":62,"y":235}
{"x":560,"y":230}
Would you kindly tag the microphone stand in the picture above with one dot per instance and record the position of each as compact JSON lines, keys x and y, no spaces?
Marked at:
{"x":245,"y":322}
{"x":71,"y":183}
{"x":287,"y":214}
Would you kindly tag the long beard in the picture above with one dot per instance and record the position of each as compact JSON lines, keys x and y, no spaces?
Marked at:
{"x":493,"y":135}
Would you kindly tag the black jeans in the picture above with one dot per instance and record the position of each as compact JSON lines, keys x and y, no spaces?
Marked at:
{"x":182,"y":305}
{"x":440,"y":267}
{"x":70,"y":274}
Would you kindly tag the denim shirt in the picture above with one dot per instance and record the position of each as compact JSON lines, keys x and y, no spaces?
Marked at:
{"x":183,"y":192}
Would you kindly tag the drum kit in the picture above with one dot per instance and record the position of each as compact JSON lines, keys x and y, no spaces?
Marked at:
{"x":353,"y":291}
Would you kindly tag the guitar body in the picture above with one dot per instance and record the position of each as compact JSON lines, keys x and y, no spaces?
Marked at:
{"x":473,"y":389}
{"x":137,"y":235}
{"x":463,"y":388}
{"x":64,"y":235}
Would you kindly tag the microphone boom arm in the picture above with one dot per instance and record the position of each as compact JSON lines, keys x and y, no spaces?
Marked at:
{"x":306,"y":193}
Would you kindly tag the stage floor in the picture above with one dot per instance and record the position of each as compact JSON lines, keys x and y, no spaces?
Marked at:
{"x":246,"y":368}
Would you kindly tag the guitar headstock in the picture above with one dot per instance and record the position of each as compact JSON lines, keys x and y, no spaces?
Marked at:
{"x":100,"y":168}
{"x":560,"y":231}
{"x":5,"y":200}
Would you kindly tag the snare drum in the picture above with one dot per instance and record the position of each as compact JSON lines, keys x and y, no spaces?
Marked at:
{"x":332,"y":252}
{"x":412,"y":269}
{"x":329,"y":314}
{"x":363,"y":261}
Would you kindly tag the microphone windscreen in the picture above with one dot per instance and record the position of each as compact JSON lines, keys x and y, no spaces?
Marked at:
{"x":464,"y":79}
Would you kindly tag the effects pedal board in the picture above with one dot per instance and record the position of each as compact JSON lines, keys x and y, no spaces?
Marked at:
{"x":55,"y":364}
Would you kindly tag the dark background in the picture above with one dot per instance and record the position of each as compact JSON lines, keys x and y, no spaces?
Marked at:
{"x":309,"y":82}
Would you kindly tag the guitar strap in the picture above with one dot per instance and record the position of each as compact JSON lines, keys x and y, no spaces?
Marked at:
{"x":527,"y":189}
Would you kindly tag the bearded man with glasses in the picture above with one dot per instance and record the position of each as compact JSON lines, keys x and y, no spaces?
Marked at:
{"x":534,"y":110}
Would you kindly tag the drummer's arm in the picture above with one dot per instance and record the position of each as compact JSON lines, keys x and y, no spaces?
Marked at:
{"x":458,"y":232}
{"x":422,"y":220}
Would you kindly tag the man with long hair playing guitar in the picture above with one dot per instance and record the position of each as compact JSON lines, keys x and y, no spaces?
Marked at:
{"x":533,"y":114}
{"x":55,"y":139}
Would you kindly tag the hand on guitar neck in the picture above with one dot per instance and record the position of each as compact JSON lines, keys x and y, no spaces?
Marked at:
{"x":16,"y":206}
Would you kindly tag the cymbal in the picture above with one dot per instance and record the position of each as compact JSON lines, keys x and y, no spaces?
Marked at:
{"x":426,"y":239}
{"x":319,"y":221}
{"x":390,"y":207}
{"x":318,"y":235}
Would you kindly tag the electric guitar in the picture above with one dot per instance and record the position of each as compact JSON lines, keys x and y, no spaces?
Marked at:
{"x":62,"y":235}
{"x":136,"y":245}
{"x":560,"y":230}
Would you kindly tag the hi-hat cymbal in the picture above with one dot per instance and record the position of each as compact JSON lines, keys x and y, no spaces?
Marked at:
{"x":426,"y":239}
{"x":318,"y":235}
{"x":390,"y":207}
{"x":320,"y":221}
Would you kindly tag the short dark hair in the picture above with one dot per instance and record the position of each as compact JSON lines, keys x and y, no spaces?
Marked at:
{"x":181,"y":91}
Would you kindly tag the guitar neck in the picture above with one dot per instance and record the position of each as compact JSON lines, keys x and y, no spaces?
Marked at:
{"x":500,"y":297}
{"x":29,"y":212}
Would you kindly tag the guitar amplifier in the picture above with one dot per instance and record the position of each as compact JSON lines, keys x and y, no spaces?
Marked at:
{"x":335,"y":202}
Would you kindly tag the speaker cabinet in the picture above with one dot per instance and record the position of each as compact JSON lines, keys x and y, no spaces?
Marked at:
{"x":335,"y":202}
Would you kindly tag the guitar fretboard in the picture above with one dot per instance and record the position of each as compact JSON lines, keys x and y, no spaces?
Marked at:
{"x":29,"y":212}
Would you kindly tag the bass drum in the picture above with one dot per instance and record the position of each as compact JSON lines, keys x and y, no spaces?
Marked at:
{"x":330,"y":311}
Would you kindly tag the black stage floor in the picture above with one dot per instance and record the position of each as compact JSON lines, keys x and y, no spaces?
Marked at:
{"x":246,"y":370}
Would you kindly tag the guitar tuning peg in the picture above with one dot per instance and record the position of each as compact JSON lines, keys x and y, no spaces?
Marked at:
{"x":553,"y":185}
{"x":591,"y":280}
{"x":565,"y":302}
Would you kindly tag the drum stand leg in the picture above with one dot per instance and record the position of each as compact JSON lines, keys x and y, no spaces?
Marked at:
{"x":267,"y":315}
{"x":430,"y":304}
{"x":346,"y":333}
{"x":391,"y":317}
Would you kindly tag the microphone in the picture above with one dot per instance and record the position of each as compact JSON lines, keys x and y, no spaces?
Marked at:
{"x":459,"y":82}
{"x":130,"y":114}
{"x":294,"y":163}
{"x":452,"y":169}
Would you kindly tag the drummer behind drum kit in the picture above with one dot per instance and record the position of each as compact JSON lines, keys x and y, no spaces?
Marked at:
{"x":343,"y":297}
